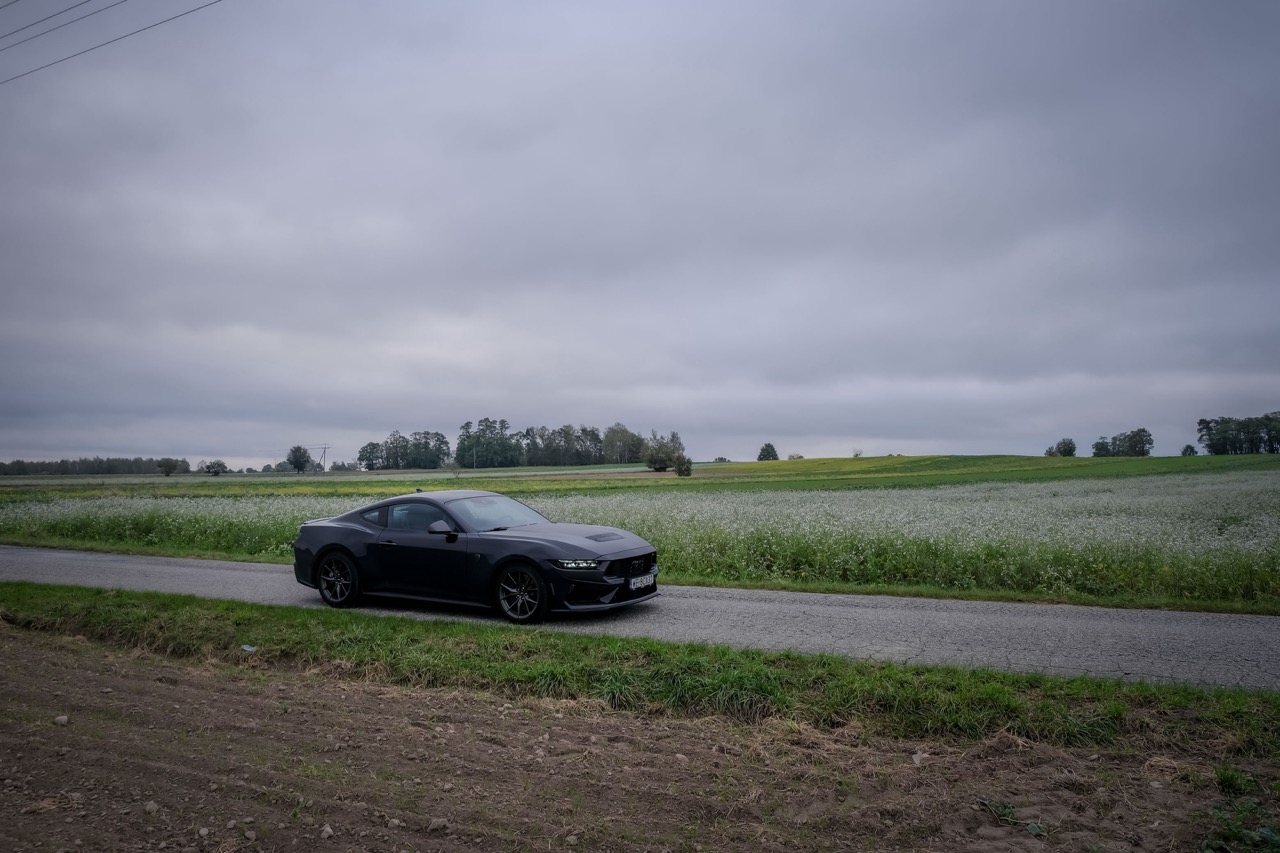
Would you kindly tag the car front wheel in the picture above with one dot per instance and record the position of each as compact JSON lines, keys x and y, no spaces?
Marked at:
{"x":520,"y":594}
{"x":339,"y":584}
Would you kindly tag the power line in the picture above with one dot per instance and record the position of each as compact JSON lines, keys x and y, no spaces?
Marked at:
{"x":60,"y":26}
{"x":112,"y":41}
{"x":7,"y":5}
{"x":42,"y":20}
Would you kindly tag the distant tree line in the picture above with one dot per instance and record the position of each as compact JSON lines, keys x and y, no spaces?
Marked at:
{"x":1222,"y":436}
{"x":98,"y":466}
{"x":491,"y":443}
{"x":1136,"y":443}
{"x":398,"y":452}
{"x":1064,"y":447}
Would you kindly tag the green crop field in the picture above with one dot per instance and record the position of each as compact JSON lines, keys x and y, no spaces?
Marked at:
{"x":1197,"y":532}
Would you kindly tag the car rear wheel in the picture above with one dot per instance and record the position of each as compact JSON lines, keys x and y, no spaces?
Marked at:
{"x":339,"y":584}
{"x":520,"y":594}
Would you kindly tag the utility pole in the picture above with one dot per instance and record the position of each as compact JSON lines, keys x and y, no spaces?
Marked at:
{"x":324,"y":449}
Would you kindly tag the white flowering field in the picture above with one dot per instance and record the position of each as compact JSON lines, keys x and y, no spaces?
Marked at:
{"x":1192,"y":537}
{"x":1196,"y":536}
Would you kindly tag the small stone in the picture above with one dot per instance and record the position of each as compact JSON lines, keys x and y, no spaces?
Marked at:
{"x":152,"y":807}
{"x":448,"y":786}
{"x":107,"y":690}
{"x":250,"y":835}
{"x":438,"y":824}
{"x":61,"y":720}
{"x":231,"y":824}
{"x":204,"y":832}
{"x":571,"y":840}
{"x":326,"y":832}
{"x":394,"y":824}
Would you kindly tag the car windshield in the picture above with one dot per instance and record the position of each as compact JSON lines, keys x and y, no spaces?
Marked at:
{"x":493,"y":512}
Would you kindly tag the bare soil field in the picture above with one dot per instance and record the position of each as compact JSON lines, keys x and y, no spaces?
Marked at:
{"x":102,"y":749}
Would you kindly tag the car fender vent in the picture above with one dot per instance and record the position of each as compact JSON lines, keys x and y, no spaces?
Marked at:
{"x":605,"y":537}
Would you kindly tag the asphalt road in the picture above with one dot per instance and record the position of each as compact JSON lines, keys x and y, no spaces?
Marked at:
{"x":1157,"y":646}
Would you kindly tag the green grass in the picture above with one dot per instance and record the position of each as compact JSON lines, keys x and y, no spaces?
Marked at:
{"x":873,"y":472}
{"x":656,"y":677}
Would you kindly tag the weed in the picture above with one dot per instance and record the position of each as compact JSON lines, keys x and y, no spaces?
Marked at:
{"x":641,"y":674}
{"x":1233,"y":782}
{"x":1242,"y":825}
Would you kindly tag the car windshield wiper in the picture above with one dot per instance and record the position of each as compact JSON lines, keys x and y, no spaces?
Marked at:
{"x":491,"y":529}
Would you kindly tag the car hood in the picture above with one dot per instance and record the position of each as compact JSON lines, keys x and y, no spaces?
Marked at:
{"x":595,"y":539}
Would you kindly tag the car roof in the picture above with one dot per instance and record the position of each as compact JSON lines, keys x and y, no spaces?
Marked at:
{"x":439,"y":496}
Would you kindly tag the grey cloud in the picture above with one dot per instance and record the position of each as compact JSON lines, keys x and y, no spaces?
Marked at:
{"x":969,"y":227}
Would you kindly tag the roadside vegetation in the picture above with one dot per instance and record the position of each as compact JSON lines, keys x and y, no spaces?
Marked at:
{"x":1183,"y":532}
{"x":652,"y":677}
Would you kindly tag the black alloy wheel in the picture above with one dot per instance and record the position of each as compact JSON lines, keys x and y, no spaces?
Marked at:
{"x":339,"y":584}
{"x":521,"y":594}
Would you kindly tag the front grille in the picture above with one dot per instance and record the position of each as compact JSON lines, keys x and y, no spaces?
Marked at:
{"x":632,"y":566}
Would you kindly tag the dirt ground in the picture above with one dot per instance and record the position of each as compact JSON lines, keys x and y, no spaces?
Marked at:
{"x":108,"y":750}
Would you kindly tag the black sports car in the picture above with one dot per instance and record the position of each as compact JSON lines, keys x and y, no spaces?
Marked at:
{"x":473,"y":547}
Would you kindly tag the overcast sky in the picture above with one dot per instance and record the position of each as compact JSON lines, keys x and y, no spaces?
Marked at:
{"x":895,"y":227}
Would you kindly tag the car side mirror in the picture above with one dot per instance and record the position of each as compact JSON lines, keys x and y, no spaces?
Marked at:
{"x":440,"y":526}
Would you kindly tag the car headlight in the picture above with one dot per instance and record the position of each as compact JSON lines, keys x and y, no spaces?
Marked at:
{"x":577,"y":564}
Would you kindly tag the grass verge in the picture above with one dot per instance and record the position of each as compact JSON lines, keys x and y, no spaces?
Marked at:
{"x":648,"y":676}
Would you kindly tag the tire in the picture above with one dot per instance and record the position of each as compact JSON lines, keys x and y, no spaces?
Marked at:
{"x":338,"y":580}
{"x":520,"y":594}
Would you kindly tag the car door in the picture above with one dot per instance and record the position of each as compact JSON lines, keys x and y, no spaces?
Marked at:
{"x":413,"y":561}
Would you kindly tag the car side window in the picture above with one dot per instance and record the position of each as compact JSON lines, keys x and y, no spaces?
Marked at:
{"x":374,"y":516}
{"x":414,"y":516}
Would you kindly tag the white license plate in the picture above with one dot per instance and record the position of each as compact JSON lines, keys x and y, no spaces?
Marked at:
{"x":642,"y":581}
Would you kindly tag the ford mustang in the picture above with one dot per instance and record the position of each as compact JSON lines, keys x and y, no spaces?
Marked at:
{"x":475,"y":548}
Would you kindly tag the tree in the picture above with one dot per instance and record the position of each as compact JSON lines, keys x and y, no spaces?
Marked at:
{"x":370,"y":456}
{"x":216,"y":467}
{"x":1064,"y":447}
{"x":683,"y":466}
{"x":167,"y":466}
{"x":488,"y":445}
{"x":767,"y":453}
{"x":1240,"y":435}
{"x":395,"y":451}
{"x":1190,"y":450}
{"x":621,"y":445}
{"x":661,"y":451}
{"x":299,"y":458}
{"x":427,"y":450}
{"x":1136,"y":443}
